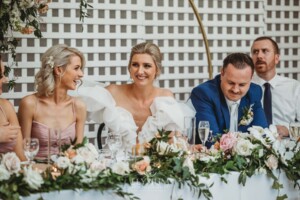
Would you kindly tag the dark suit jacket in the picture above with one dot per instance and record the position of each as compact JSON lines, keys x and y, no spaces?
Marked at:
{"x":210,"y":104}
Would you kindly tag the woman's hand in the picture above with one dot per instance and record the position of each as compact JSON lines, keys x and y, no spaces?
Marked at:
{"x":8,"y":133}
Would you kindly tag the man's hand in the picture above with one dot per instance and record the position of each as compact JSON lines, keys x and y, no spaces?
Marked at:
{"x":282,"y":131}
{"x":9,"y":133}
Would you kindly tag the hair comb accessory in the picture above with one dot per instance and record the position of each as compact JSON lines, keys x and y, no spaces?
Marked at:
{"x":50,"y":62}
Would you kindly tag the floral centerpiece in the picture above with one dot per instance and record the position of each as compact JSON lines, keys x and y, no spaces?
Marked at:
{"x":162,"y":159}
{"x":259,"y":152}
{"x":79,"y":167}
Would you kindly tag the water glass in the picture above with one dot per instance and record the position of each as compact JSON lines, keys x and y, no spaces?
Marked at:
{"x":295,"y":130}
{"x":190,"y":131}
{"x":203,"y":131}
{"x":114,"y":142}
{"x":104,"y":154}
{"x":31,"y":148}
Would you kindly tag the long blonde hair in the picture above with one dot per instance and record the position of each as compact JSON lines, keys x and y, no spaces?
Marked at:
{"x":56,"y":56}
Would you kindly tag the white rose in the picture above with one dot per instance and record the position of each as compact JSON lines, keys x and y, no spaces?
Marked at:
{"x":33,"y":178}
{"x":121,"y":168}
{"x":78,"y":159}
{"x":272,"y":162}
{"x":12,"y":162}
{"x":63,"y":162}
{"x":88,"y":155}
{"x":97,"y":166}
{"x":189,"y":164}
{"x":4,"y":174}
{"x":243,"y":147}
{"x":92,"y":149}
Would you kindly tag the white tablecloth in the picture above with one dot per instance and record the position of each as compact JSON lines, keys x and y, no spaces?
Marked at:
{"x":257,"y":187}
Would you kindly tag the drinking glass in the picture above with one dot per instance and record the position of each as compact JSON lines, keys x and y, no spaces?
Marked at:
{"x":295,"y":130}
{"x":189,"y":131}
{"x":114,"y":142}
{"x":31,"y":147}
{"x":203,"y":131}
{"x":104,"y":136}
{"x":104,"y":154}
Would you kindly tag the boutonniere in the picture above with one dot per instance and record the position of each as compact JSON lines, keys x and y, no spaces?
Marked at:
{"x":247,"y":117}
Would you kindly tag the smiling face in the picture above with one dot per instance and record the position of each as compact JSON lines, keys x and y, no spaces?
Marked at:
{"x":72,"y":74}
{"x":235,"y":82}
{"x":142,"y":69}
{"x":265,"y":58}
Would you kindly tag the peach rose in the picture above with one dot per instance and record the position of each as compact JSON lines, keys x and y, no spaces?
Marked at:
{"x":27,"y":30}
{"x":142,"y":166}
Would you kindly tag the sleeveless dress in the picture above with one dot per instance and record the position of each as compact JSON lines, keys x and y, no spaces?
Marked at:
{"x":42,"y":132}
{"x":7,"y":146}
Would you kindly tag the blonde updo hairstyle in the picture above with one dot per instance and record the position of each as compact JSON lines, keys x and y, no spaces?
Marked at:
{"x":150,"y":49}
{"x":56,"y":56}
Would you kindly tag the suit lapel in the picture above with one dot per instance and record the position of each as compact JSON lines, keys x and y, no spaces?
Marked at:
{"x":243,"y":105}
{"x":223,"y":104}
{"x":225,"y":112}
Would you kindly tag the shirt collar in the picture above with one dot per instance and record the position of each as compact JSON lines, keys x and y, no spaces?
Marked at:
{"x":229,"y":102}
{"x":273,"y":82}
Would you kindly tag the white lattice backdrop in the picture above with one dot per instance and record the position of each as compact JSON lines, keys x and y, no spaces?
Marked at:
{"x":114,"y":26}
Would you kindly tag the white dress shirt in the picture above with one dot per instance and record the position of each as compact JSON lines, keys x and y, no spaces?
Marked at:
{"x":285,"y":98}
{"x":234,"y":114}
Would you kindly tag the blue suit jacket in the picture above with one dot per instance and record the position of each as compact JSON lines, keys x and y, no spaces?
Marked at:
{"x":210,"y":104}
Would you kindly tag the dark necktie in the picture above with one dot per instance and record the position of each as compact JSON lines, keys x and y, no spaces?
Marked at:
{"x":268,"y":102}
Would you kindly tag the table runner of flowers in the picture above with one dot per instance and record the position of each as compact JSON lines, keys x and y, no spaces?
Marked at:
{"x":166,"y":157}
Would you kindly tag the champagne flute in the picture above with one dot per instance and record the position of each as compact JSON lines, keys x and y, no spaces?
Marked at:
{"x":114,"y":142}
{"x":295,"y":130}
{"x":203,"y":131}
{"x":31,"y":147}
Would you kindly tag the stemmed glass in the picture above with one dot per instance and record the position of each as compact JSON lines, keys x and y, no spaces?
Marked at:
{"x":203,"y":131}
{"x":114,"y":142}
{"x":31,"y":148}
{"x":295,"y":130}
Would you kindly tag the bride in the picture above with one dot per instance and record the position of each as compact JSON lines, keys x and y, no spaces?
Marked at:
{"x":138,"y":107}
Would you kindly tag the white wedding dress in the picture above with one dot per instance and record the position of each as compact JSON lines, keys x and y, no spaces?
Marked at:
{"x":167,"y":113}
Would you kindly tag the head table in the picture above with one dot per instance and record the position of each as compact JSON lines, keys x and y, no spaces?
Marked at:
{"x":257,"y":187}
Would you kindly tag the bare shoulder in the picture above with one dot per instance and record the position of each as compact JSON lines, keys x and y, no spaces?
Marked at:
{"x":165,"y":92}
{"x":28,"y":101}
{"x":116,"y":89}
{"x":79,"y":104}
{"x":6,"y":105}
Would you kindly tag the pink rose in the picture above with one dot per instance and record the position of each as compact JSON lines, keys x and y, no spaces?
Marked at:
{"x":227,"y":141}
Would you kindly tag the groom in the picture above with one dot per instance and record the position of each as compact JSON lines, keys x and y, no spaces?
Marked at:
{"x":230,"y":102}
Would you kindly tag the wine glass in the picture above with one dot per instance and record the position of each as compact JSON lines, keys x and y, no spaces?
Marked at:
{"x":114,"y":142}
{"x":203,"y":131}
{"x":295,"y":130}
{"x":31,"y":147}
